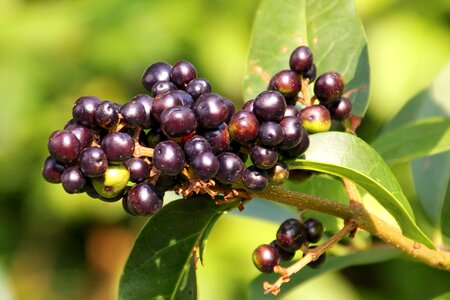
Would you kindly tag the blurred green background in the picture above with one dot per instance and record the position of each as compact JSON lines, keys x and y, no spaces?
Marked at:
{"x":59,"y":246}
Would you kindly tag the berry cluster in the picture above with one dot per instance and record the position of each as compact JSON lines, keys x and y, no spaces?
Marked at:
{"x":292,"y":235}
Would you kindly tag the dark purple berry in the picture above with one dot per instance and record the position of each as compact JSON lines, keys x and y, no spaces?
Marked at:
{"x":83,"y":110}
{"x":196,"y":145}
{"x":300,"y":175}
{"x":292,"y":132}
{"x":106,"y":115}
{"x":163,"y":86}
{"x":205,"y":165}
{"x":159,"y":71}
{"x":169,"y":158}
{"x":139,"y":169}
{"x":286,"y":82}
{"x":248,"y":106}
{"x":197,"y":87}
{"x":182,"y":72}
{"x":73,"y":181}
{"x":83,"y":134}
{"x":301,"y":59}
{"x":64,"y":146}
{"x":219,"y":138}
{"x":329,"y":87}
{"x":133,"y":114}
{"x":142,"y":200}
{"x":244,"y":127}
{"x":314,"y":230}
{"x":263,"y":158}
{"x":230,"y":168}
{"x":270,"y":133}
{"x":52,"y":170}
{"x":278,"y":174}
{"x":265,"y":258}
{"x":163,"y":102}
{"x":291,"y":111}
{"x":118,"y":147}
{"x":178,"y":121}
{"x":315,"y":118}
{"x":340,"y":109}
{"x":291,"y":235}
{"x":311,"y":73}
{"x":269,"y":106}
{"x":254,"y":178}
{"x":284,"y":255}
{"x":93,"y":162}
{"x":231,"y":109}
{"x":147,"y":102}
{"x":210,"y":110}
{"x":299,"y":149}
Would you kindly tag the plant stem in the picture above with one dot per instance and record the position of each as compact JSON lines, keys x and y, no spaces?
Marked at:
{"x":363,"y":219}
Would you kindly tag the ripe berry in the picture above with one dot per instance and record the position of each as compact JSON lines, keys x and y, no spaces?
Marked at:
{"x":64,"y":146}
{"x":197,"y":87}
{"x":248,"y":106}
{"x":265,"y":258}
{"x":292,"y":132}
{"x":270,"y":133}
{"x":178,"y":121}
{"x":231,"y":109}
{"x":263,"y":158}
{"x":93,"y":162}
{"x":230,"y":168}
{"x":196,"y":145}
{"x":311,"y":73}
{"x":210,"y":110}
{"x":269,"y":106}
{"x":52,"y":170}
{"x":159,"y":71}
{"x":279,"y":173}
{"x":315,"y":118}
{"x":219,"y":138}
{"x":106,"y":115}
{"x":314,"y":230}
{"x":300,"y":175}
{"x":244,"y":127}
{"x":118,"y":147}
{"x":284,"y":255}
{"x":83,"y":110}
{"x":329,"y":87}
{"x":182,"y":72}
{"x":133,"y":114}
{"x":299,"y":149}
{"x":291,"y":235}
{"x":142,"y":200}
{"x":301,"y":59}
{"x":169,"y":158}
{"x":73,"y":180}
{"x":83,"y":134}
{"x":165,"y":101}
{"x":254,"y":178}
{"x":111,"y":184}
{"x":147,"y":102}
{"x":340,"y":109}
{"x":319,"y":260}
{"x":291,"y":111}
{"x":163,"y":86}
{"x":205,"y":165}
{"x":139,"y":169}
{"x":286,"y":82}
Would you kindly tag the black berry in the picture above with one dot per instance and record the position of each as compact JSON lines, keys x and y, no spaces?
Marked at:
{"x":329,"y":87}
{"x":182,"y":72}
{"x":269,"y":106}
{"x":301,"y":59}
{"x":314,"y":230}
{"x":291,"y":235}
{"x":118,"y":147}
{"x":142,"y":200}
{"x":64,"y":146}
{"x":265,"y":258}
{"x":169,"y":158}
{"x":159,"y":71}
{"x":254,"y":178}
{"x":230,"y":168}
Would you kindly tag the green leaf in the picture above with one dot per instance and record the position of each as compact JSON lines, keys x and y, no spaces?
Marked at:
{"x":333,"y":31}
{"x":416,"y":139}
{"x":345,"y":155}
{"x":333,"y":263}
{"x":161,"y":265}
{"x":445,"y":296}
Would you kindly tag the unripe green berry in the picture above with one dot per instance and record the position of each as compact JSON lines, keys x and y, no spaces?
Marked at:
{"x":112,"y":183}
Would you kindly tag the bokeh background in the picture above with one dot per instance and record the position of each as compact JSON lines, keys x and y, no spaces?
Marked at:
{"x":59,"y":246}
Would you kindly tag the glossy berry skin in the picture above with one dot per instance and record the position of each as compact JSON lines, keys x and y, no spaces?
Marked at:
{"x":231,"y":109}
{"x":142,"y":200}
{"x":300,"y":175}
{"x":118,"y":147}
{"x":328,"y":87}
{"x":248,"y":106}
{"x":64,"y":146}
{"x":292,"y":133}
{"x":83,"y":134}
{"x":196,"y":145}
{"x":263,"y":158}
{"x":73,"y":181}
{"x":106,"y":115}
{"x":255,"y":178}
{"x":83,"y":110}
{"x":159,"y":71}
{"x":170,"y":99}
{"x":52,"y":170}
{"x":319,"y":261}
{"x":205,"y":165}
{"x":311,"y":73}
{"x":284,"y":255}
{"x":340,"y":109}
{"x":314,"y":230}
{"x":139,"y":169}
{"x":270,"y":133}
{"x":301,"y":59}
{"x":278,"y":174}
{"x":291,"y":111}
{"x":244,"y":127}
{"x":210,"y":110}
{"x":265,"y":258}
{"x":219,"y":138}
{"x":286,"y":82}
{"x":169,"y":158}
{"x":182,"y":72}
{"x":291,"y":235}
{"x":162,"y":86}
{"x":230,"y":169}
{"x":178,"y":121}
{"x":147,"y":102}
{"x":315,"y":118}
{"x":93,"y":162}
{"x":299,"y":149}
{"x":133,"y":114}
{"x":111,"y":185}
{"x":269,"y":106}
{"x":197,"y":87}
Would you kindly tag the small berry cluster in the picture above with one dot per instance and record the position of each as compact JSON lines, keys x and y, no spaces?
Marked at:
{"x":292,"y":235}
